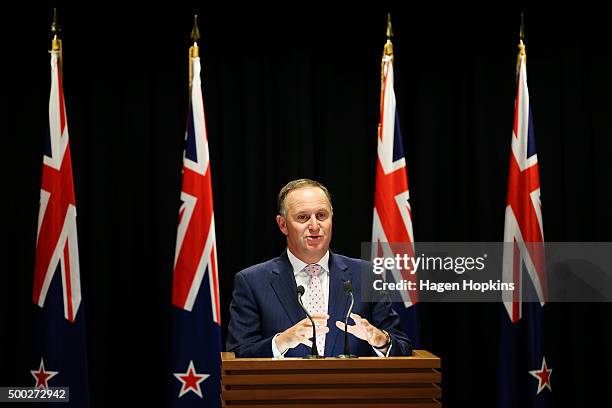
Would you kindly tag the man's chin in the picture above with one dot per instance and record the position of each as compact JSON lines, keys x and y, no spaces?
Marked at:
{"x":314,"y":249}
{"x":317,"y":251}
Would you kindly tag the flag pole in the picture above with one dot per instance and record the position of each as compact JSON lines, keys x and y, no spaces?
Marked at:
{"x":389,"y":45}
{"x":194,"y":50}
{"x":387,"y":54}
{"x":522,"y":55}
{"x":56,"y":42}
{"x":388,"y":50}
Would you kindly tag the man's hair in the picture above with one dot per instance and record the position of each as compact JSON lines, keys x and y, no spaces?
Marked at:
{"x":296,"y":185}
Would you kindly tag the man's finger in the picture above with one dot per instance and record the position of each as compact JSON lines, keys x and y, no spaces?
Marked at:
{"x":306,"y":342}
{"x":308,"y":323}
{"x":317,"y":317}
{"x":360,"y":320}
{"x":307,"y":331}
{"x":350,"y":328}
{"x":340,"y":325}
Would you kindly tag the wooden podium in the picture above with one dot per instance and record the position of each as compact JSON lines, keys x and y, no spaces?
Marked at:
{"x":332,"y":382}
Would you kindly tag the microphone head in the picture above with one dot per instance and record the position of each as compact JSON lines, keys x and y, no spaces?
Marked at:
{"x":300,"y":290}
{"x":348,"y":287}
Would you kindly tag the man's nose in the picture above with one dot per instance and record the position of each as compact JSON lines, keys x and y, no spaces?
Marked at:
{"x":313,"y":223}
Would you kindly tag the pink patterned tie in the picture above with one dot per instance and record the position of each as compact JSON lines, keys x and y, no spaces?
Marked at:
{"x":314,"y":299}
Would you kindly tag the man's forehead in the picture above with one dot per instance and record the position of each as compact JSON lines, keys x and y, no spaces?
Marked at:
{"x":307,"y":197}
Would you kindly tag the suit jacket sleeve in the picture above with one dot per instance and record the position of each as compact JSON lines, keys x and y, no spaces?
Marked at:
{"x":245,"y":330}
{"x":385,"y":318}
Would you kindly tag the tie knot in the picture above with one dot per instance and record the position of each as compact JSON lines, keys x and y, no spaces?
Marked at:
{"x":313,"y":269}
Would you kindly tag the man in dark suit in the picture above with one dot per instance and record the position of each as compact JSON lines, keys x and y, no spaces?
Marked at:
{"x":265,"y":317}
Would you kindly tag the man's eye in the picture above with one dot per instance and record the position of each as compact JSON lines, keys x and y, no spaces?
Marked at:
{"x":302,"y":218}
{"x":322,"y":216}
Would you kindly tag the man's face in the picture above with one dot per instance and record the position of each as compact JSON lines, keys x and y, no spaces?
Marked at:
{"x":307,"y":224}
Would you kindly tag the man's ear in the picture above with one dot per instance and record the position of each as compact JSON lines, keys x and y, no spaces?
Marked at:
{"x":282,"y":224}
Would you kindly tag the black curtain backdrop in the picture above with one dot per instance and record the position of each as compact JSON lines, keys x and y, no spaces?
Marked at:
{"x":293,"y":91}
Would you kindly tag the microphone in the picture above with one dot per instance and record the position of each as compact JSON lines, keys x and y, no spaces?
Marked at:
{"x":348,"y":289}
{"x":314,"y":353}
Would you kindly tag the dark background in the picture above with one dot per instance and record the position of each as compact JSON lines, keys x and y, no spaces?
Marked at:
{"x":293,"y":91}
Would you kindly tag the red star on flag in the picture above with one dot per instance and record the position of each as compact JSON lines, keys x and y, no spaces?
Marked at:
{"x":42,"y":376}
{"x":191,"y":380}
{"x":543,"y":376}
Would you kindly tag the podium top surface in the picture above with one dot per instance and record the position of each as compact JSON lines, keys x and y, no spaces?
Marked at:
{"x":419,"y":359}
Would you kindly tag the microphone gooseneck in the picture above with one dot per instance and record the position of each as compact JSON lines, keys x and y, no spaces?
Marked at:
{"x":348,"y":289}
{"x":314,"y":353}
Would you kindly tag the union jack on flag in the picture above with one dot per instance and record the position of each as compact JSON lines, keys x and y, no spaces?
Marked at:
{"x":196,"y":317}
{"x":523,"y":223}
{"x":392,"y":221}
{"x":59,"y":347}
{"x":56,"y":243}
{"x":524,"y":370}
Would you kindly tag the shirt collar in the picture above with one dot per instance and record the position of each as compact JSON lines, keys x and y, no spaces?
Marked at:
{"x":298,"y":265}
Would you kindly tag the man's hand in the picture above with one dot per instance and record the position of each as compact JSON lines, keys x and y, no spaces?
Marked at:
{"x":301,"y":332}
{"x":363,"y":330}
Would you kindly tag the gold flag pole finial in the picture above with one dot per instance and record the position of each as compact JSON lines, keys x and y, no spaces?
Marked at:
{"x":389,"y":44}
{"x":387,"y":56}
{"x":56,"y":42}
{"x":522,"y":55}
{"x":194,"y":50}
{"x":388,"y":50}
{"x":195,"y":31}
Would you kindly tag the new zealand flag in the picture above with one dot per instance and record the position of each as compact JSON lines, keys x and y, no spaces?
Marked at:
{"x":59,"y":356}
{"x":392,"y":220}
{"x":525,"y":366}
{"x":195,"y":364}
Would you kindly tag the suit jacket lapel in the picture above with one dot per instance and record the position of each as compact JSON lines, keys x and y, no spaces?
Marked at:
{"x":338,"y":301}
{"x":284,"y":286}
